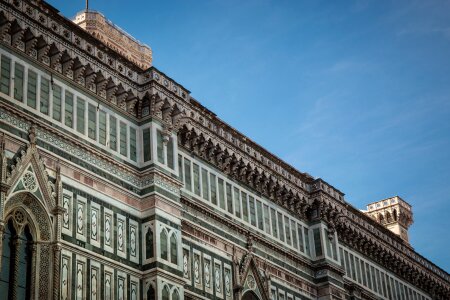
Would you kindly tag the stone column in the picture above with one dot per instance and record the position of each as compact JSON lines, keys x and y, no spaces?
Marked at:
{"x":33,"y":247}
{"x":56,"y":270}
{"x":13,"y":283}
{"x":2,"y":199}
{"x":2,"y":230}
{"x":58,"y":212}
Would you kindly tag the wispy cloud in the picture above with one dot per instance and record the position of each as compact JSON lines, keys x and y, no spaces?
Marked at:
{"x":441,"y":31}
{"x":348,"y":65}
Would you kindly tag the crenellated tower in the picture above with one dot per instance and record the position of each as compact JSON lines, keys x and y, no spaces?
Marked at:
{"x":393,"y":213}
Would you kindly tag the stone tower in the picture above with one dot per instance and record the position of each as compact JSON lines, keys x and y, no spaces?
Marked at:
{"x":115,"y":38}
{"x":393,"y":213}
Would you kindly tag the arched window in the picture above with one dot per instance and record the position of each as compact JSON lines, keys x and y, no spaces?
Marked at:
{"x":165,"y":293}
{"x":16,"y":262}
{"x":388,"y":217}
{"x":395,"y":214}
{"x":7,"y":256}
{"x":149,"y":244}
{"x":175,"y":295}
{"x":173,"y":249}
{"x":151,"y":293}
{"x":24,"y":270}
{"x":251,"y":296}
{"x":163,"y":244}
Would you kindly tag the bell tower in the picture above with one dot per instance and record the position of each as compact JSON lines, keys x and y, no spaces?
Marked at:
{"x":393,"y":213}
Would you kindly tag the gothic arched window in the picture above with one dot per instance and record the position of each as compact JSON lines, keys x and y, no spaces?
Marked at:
{"x":175,"y":295}
{"x":165,"y":293}
{"x":149,"y":244}
{"x":16,"y":262}
{"x":7,"y":255}
{"x":163,"y":244}
{"x":388,"y":217}
{"x":151,"y":293}
{"x":24,"y":261}
{"x":173,"y":249}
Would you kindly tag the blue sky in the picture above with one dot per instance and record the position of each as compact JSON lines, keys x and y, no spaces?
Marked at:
{"x":354,"y":92}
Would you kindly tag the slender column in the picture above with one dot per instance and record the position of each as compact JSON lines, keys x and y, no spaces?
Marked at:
{"x":2,"y":230}
{"x":3,"y":189}
{"x":56,"y":270}
{"x":14,"y":279}
{"x":33,"y":269}
{"x":58,"y":212}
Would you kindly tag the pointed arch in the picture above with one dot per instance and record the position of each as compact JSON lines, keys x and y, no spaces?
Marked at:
{"x":37,"y":217}
{"x":30,"y":203}
{"x":250,"y":296}
{"x":165,"y":294}
{"x":163,"y":237}
{"x":149,"y":243}
{"x":151,"y":293}
{"x":17,"y":257}
{"x":7,"y":256}
{"x":253,"y":280}
{"x":388,"y":217}
{"x":173,"y":248}
{"x":29,"y":174}
{"x":175,"y":295}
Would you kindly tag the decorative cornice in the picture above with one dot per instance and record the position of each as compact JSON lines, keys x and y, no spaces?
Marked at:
{"x":363,"y":241}
{"x":236,"y":165}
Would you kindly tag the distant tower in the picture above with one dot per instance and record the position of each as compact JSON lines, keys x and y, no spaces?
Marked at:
{"x":393,"y":213}
{"x":114,"y":37}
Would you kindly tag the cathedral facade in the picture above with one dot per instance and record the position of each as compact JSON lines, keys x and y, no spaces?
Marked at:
{"x":115,"y":183}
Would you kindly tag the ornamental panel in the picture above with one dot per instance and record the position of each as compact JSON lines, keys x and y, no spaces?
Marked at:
{"x":108,"y":283}
{"x":81,"y":214}
{"x":218,"y":278}
{"x":121,"y":286}
{"x":121,"y":239}
{"x":94,"y":219}
{"x":80,"y":278}
{"x":207,"y":272}
{"x":197,"y":269}
{"x":187,"y":264}
{"x":134,"y":241}
{"x":228,"y":282}
{"x":108,"y":230}
{"x":95,"y":284}
{"x":66,"y":271}
{"x":67,"y":203}
{"x":134,"y":288}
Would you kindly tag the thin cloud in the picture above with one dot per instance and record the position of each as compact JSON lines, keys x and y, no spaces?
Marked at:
{"x":443,"y":31}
